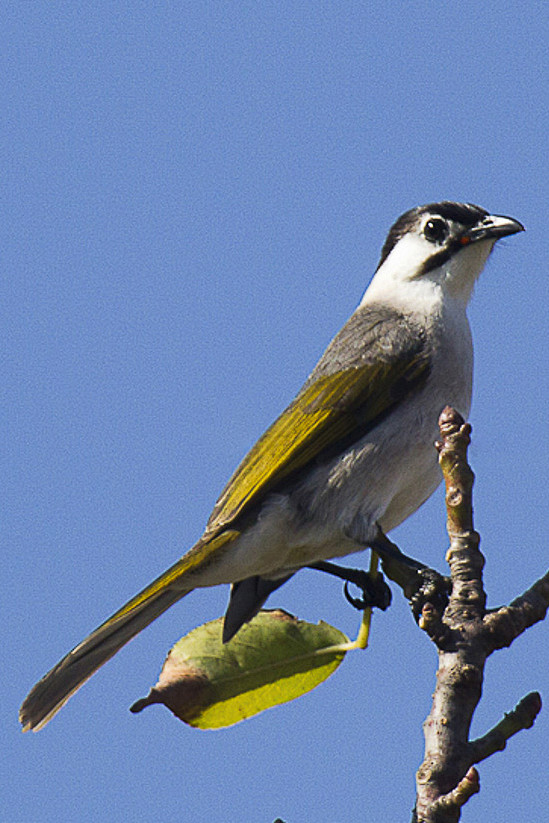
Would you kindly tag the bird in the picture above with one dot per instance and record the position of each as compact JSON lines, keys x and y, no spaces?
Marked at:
{"x":352,"y":455}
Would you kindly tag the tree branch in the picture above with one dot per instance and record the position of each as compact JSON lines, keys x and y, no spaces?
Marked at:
{"x":508,"y":622}
{"x":465,"y":636}
{"x":522,"y":717}
{"x":457,"y":798}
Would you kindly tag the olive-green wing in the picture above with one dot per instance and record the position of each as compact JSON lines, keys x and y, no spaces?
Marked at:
{"x":332,"y":411}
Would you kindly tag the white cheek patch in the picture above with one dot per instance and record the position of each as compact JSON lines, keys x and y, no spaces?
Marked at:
{"x":395,"y":278}
{"x":407,"y":257}
{"x":397,"y":282}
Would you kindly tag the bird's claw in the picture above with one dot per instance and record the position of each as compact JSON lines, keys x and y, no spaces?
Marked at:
{"x":432,"y":588}
{"x":375,"y":591}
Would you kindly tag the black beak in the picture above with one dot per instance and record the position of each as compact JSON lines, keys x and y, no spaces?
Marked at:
{"x":492,"y":227}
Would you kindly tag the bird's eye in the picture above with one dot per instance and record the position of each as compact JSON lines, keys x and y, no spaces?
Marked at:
{"x":435,"y":230}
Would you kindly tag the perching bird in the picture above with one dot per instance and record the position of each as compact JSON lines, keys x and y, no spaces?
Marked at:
{"x":349,"y":459}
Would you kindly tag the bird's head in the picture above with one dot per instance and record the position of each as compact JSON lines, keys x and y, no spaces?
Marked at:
{"x":439,"y":247}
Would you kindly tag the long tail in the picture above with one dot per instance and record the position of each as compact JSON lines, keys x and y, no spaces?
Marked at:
{"x":54,"y":689}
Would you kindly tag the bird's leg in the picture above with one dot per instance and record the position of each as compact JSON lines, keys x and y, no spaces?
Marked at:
{"x":375,"y":591}
{"x":419,"y":583}
{"x":398,"y":567}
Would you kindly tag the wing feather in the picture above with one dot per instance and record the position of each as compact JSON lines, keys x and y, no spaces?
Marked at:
{"x":374,"y":362}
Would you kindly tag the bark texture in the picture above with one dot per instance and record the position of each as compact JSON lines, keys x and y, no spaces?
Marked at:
{"x":465,"y":636}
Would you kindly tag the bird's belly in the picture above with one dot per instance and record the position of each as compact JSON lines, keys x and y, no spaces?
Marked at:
{"x":418,"y":481}
{"x":383,"y":478}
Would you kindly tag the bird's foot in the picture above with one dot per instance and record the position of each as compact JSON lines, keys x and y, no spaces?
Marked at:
{"x":426,"y":589}
{"x":430,"y":596}
{"x":375,"y":591}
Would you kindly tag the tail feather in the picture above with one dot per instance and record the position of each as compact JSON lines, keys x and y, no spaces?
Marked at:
{"x":60,"y":683}
{"x":52,"y":692}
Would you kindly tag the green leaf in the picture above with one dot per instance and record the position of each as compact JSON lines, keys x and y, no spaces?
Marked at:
{"x":272,"y":659}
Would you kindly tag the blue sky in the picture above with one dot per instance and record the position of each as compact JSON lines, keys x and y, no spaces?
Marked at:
{"x":195,"y":196}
